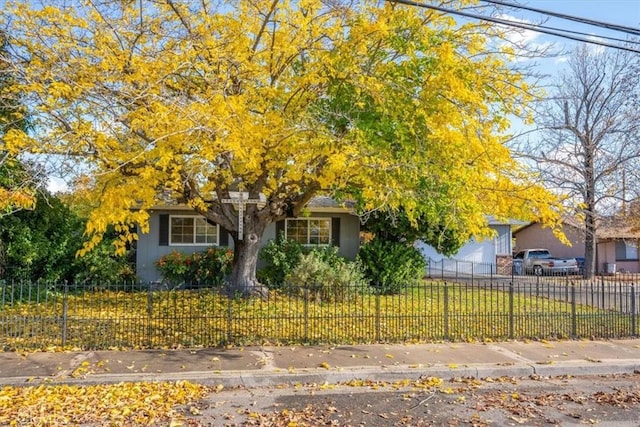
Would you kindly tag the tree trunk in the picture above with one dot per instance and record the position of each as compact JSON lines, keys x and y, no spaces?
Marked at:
{"x":245,"y":259}
{"x":589,"y":246}
{"x":590,"y":204}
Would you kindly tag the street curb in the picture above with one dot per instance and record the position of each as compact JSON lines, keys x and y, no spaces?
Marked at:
{"x":277,"y":377}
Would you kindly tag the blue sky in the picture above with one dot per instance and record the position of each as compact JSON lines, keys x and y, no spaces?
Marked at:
{"x":620,"y":12}
{"x":624,"y":12}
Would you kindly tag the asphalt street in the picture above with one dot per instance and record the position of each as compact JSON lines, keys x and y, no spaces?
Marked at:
{"x":506,"y":383}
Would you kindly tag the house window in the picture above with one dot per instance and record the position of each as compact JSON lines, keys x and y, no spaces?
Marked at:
{"x":192,"y":230}
{"x":309,"y":231}
{"x":626,"y":250}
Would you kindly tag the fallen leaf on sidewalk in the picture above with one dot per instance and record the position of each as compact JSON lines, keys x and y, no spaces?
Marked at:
{"x":115,"y":404}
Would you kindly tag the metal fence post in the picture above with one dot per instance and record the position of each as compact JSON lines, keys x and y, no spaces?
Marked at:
{"x":492,"y":272}
{"x":306,"y":315}
{"x":65,"y":312}
{"x":574,"y":320}
{"x":633,"y":310}
{"x":149,"y":313}
{"x":446,"y":311}
{"x":378,"y":334}
{"x":511,"y":313}
{"x":472,"y":273}
{"x":229,"y":319}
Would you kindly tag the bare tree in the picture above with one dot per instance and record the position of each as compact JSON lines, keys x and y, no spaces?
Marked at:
{"x":588,"y":138}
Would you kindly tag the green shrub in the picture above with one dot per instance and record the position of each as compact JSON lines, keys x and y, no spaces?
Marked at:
{"x":102,"y":266}
{"x":322,"y":275}
{"x":281,"y":257}
{"x":208,"y":268}
{"x":391,"y":266}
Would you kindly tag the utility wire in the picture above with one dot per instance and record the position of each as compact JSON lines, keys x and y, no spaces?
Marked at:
{"x":602,"y":24}
{"x":586,"y":34}
{"x":522,"y":25}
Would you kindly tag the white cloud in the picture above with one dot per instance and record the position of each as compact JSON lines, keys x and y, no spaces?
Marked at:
{"x":56,"y":185}
{"x":518,"y":36}
{"x":524,"y":41}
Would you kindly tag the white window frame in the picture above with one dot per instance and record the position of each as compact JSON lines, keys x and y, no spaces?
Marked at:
{"x":308,"y":221}
{"x":193,"y":240}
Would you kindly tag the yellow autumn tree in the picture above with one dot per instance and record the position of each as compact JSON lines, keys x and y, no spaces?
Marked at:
{"x":17,"y":184}
{"x":391,"y":105}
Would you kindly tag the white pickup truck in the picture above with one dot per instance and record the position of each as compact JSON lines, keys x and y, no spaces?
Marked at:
{"x":540,"y":261}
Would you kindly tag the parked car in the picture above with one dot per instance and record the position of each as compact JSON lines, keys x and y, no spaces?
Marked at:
{"x":540,"y":261}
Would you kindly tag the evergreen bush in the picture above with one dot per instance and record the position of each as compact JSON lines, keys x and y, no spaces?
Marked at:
{"x":281,"y":257}
{"x":391,"y":266}
{"x":207,"y":268}
{"x":322,"y":275}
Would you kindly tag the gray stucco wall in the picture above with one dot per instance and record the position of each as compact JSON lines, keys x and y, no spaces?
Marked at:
{"x":149,"y":251}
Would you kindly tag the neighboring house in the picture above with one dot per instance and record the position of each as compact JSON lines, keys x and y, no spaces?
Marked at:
{"x":177,"y":228}
{"x":617,"y":247}
{"x":616,"y":243}
{"x":485,"y":256}
{"x":534,"y":235}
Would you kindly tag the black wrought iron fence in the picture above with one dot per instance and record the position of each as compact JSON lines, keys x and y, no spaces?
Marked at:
{"x":454,"y":268}
{"x":38,"y":316}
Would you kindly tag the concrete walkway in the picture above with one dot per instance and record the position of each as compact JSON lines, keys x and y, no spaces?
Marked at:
{"x":273,"y":365}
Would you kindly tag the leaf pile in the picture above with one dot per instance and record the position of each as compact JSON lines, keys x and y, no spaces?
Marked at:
{"x":142,"y":403}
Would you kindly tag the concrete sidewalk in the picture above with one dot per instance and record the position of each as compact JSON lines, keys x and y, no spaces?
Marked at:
{"x":273,"y":365}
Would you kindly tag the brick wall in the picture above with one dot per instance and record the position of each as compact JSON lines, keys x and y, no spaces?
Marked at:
{"x":504,"y":264}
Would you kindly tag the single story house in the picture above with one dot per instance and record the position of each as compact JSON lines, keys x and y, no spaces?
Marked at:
{"x":178,"y":228}
{"x":482,"y":256}
{"x":534,"y":235}
{"x":616,"y":243}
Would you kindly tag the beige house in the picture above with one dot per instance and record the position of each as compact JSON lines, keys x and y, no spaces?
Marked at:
{"x":616,"y":243}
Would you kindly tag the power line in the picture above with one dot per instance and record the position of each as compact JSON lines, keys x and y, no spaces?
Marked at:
{"x":602,"y":24}
{"x":522,"y":25}
{"x":587,"y":34}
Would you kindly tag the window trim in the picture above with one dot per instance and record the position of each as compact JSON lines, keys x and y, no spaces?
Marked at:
{"x":625,"y":243}
{"x":308,"y":220}
{"x":194,"y":243}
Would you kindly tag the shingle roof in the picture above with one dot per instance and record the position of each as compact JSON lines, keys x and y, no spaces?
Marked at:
{"x":618,"y":228}
{"x":608,"y":228}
